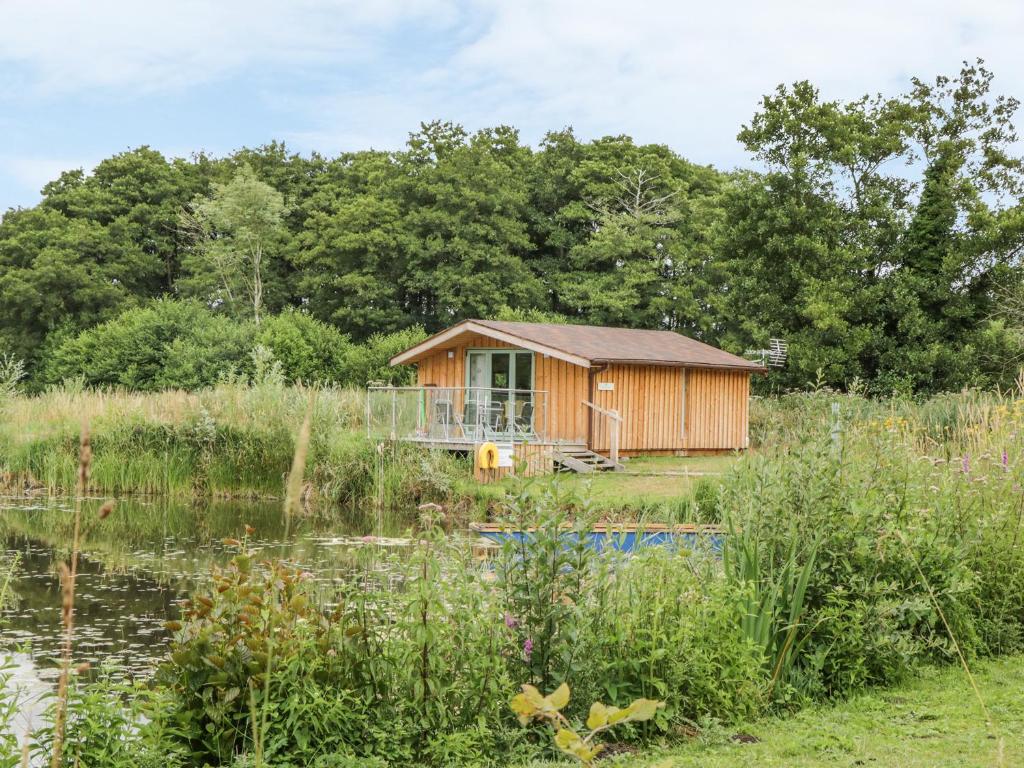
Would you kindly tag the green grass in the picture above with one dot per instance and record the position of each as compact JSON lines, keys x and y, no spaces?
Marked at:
{"x":934,"y":721}
{"x":648,"y":483}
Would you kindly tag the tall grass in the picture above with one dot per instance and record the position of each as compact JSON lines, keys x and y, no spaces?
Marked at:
{"x":231,"y":441}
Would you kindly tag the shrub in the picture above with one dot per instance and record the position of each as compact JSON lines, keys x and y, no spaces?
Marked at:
{"x":167,"y":344}
{"x":115,"y":725}
{"x":545,"y":581}
{"x":407,"y":671}
{"x":871,"y":616}
{"x":248,"y":672}
{"x":663,"y":624}
{"x":369,"y":361}
{"x":308,"y":349}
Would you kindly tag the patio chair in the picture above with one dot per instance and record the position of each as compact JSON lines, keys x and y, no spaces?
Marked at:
{"x":469,"y":423}
{"x":522,"y":425}
{"x":443,"y":416}
{"x":494,"y":426}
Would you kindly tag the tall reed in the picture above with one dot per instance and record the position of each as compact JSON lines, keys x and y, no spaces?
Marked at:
{"x":67,"y":582}
{"x":293,"y":490}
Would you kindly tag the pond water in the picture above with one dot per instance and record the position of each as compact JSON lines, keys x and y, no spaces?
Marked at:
{"x":133,"y":569}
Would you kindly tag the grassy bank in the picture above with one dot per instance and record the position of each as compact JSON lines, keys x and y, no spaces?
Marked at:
{"x":658,"y":488}
{"x":851,"y":564}
{"x":230,"y":441}
{"x":934,"y":721}
{"x":238,"y":440}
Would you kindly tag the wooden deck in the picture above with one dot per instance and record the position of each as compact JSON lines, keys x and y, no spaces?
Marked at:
{"x":465,"y":444}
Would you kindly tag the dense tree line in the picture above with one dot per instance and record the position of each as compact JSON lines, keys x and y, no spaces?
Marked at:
{"x":881,"y":237}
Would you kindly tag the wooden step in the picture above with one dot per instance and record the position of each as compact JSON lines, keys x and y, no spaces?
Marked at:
{"x":584,"y":461}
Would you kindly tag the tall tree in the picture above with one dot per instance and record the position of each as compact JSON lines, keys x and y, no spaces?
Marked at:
{"x":234,"y":232}
{"x":877,"y":274}
{"x":464,"y":204}
{"x":637,"y":226}
{"x":142,"y":193}
{"x":353,"y":249}
{"x":57,"y":272}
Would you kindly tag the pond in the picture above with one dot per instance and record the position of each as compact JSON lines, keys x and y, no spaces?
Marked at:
{"x":133,"y":569}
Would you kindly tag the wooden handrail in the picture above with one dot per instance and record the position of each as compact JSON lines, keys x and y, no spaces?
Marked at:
{"x":616,"y":424}
{"x":610,"y":414}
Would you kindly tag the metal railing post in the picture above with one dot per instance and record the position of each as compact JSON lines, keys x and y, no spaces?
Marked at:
{"x":394,"y":414}
{"x":369,"y":392}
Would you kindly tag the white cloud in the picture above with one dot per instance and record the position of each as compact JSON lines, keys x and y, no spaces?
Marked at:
{"x":367,"y":71}
{"x":690,"y":74}
{"x":67,"y":45}
{"x":33,"y":172}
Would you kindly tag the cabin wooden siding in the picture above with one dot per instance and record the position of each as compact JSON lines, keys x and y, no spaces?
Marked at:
{"x":664,"y":409}
{"x":651,"y":401}
{"x":717,"y":409}
{"x":563,"y":418}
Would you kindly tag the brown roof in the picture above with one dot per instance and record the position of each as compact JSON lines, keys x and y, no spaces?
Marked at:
{"x":593,"y":345}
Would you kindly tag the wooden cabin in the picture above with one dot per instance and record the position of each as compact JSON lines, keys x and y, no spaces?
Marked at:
{"x":577,"y":388}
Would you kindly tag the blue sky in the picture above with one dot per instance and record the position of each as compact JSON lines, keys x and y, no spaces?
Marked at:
{"x":83,"y":79}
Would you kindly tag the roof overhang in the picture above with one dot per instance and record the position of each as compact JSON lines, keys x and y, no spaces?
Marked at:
{"x":677,"y":364}
{"x":413,"y":354}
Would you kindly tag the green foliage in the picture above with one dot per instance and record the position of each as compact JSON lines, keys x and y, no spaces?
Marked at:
{"x":544,"y":581}
{"x":55,"y":270}
{"x":168,"y":344}
{"x":173,"y":344}
{"x":114,"y":724}
{"x":234,"y":234}
{"x":308,"y":350}
{"x":771,"y":599}
{"x":864,"y":615}
{"x":866,"y":272}
{"x":880,"y":239}
{"x":258,"y":667}
{"x":12,"y":371}
{"x":647,"y":634}
{"x":10,"y":709}
{"x":368,"y":362}
{"x":842,"y":569}
{"x":251,"y":635}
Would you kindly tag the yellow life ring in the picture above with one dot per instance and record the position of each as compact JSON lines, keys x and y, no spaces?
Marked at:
{"x":487,"y":456}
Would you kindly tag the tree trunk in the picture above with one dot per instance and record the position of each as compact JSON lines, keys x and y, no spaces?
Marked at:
{"x":257,"y":282}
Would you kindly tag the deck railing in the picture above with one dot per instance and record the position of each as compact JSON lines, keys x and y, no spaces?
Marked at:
{"x":456,"y":415}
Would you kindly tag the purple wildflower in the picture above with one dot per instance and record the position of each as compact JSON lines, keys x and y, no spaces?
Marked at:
{"x":966,"y":464}
{"x":511,"y":621}
{"x":528,"y":649}
{"x":1006,"y":461}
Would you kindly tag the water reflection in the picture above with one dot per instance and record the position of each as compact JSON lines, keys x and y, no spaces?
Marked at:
{"x":133,"y":569}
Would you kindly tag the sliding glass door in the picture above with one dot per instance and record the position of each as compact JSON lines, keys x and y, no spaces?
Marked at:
{"x":500,"y":397}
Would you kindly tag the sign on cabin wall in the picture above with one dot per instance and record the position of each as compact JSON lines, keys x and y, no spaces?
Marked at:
{"x":605,"y":386}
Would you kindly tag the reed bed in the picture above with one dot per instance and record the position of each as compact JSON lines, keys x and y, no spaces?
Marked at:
{"x":233,"y":440}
